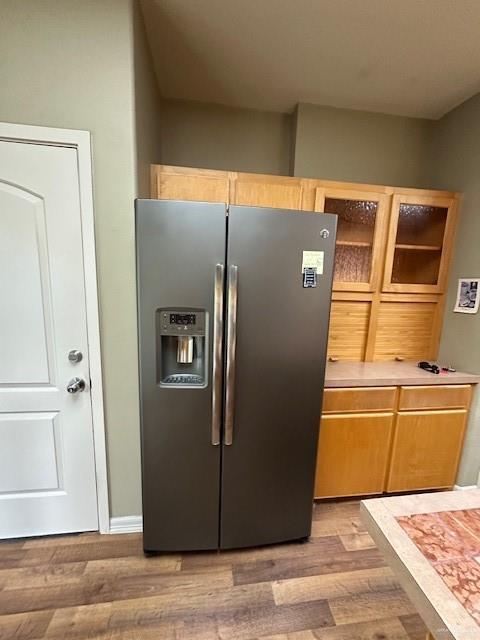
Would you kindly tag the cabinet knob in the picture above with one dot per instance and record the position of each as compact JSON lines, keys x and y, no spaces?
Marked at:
{"x":399,"y":358}
{"x":332,"y":359}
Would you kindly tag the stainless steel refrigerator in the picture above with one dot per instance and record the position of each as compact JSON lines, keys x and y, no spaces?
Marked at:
{"x":233,"y":312}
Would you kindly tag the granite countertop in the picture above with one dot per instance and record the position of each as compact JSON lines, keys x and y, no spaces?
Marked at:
{"x":432,"y":543}
{"x":378,"y":374}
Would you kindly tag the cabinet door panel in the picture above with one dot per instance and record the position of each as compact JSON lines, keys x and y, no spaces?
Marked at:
{"x":178,"y":183}
{"x":360,"y":236}
{"x":267,"y":191}
{"x":419,"y":243}
{"x":352,"y":454}
{"x":426,"y":449}
{"x":347,"y":337}
{"x":406,"y":330}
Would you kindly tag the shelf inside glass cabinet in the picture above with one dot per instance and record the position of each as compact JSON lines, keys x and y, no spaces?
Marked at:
{"x":418,"y":247}
{"x":353,"y":243}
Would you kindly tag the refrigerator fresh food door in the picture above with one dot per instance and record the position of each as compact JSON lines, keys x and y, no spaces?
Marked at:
{"x":180,"y":256}
{"x":280,"y":267}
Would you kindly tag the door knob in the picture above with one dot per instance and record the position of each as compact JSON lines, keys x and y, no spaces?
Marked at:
{"x":75,"y":385}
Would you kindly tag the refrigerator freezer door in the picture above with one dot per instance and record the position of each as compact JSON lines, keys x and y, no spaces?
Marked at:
{"x":179,"y":245}
{"x":281,"y":335}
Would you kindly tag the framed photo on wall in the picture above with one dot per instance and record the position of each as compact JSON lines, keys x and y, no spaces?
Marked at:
{"x":467,"y":295}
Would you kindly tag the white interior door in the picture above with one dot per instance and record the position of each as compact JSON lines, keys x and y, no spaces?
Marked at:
{"x":47,"y":465}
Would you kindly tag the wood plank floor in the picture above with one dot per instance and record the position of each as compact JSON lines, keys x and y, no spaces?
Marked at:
{"x":334,"y":587}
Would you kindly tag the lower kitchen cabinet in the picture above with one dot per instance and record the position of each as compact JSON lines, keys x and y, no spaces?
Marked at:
{"x":426,"y":449}
{"x":353,"y":454}
{"x":388,"y":438}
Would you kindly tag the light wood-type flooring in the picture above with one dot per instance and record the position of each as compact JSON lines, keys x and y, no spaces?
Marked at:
{"x":334,"y":587}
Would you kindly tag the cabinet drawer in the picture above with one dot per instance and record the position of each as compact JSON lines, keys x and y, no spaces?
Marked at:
{"x":357,"y":399}
{"x":454,"y":396}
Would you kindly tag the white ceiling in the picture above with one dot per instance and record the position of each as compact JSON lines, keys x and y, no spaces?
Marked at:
{"x":406,"y":57}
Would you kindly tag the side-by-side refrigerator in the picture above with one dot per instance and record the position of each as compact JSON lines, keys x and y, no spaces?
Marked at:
{"x":233,"y":311}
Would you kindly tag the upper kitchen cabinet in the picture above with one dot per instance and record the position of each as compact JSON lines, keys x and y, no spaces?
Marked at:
{"x":230,"y":187}
{"x":419,"y":243}
{"x":257,"y":190}
{"x":361,"y":232}
{"x":185,"y":183}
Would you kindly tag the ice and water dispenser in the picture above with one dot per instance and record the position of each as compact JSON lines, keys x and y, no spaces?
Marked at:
{"x":182,"y":347}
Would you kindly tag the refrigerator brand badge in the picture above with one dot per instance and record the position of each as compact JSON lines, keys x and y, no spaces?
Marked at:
{"x":312,"y":266}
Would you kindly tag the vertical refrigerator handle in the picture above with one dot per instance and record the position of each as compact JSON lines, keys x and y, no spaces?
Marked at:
{"x":231,"y":347}
{"x":217,"y":355}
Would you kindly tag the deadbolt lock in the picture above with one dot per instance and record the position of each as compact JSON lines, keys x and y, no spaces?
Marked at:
{"x":75,"y":356}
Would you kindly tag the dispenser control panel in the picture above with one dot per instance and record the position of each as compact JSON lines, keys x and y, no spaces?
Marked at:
{"x":183,"y":318}
{"x":176,"y":322}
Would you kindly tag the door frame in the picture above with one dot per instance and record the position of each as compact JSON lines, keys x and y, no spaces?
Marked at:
{"x":81,"y":142}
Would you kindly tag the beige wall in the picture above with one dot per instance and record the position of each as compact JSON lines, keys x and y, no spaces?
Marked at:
{"x":314,"y":141}
{"x":456,"y":165}
{"x":65,"y":63}
{"x":211,"y":136}
{"x":357,"y":146}
{"x":147,"y":106}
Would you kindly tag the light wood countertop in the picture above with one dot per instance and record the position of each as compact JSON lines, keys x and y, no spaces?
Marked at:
{"x":381,"y":374}
{"x":432,"y":543}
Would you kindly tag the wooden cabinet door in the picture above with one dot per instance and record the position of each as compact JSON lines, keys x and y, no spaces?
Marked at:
{"x":184,"y":183}
{"x":348,"y":331}
{"x":278,"y":192}
{"x":419,"y":243}
{"x":407,"y":329}
{"x":426,"y":449}
{"x":352,"y":454}
{"x":361,"y":234}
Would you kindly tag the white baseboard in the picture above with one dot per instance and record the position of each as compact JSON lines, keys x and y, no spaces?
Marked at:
{"x":126,"y":524}
{"x":134,"y":524}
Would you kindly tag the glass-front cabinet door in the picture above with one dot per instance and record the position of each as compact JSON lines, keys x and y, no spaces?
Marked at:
{"x":419,"y":243}
{"x":360,"y":236}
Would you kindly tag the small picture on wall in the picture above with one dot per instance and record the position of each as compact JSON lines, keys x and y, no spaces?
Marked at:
{"x":467,"y":295}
